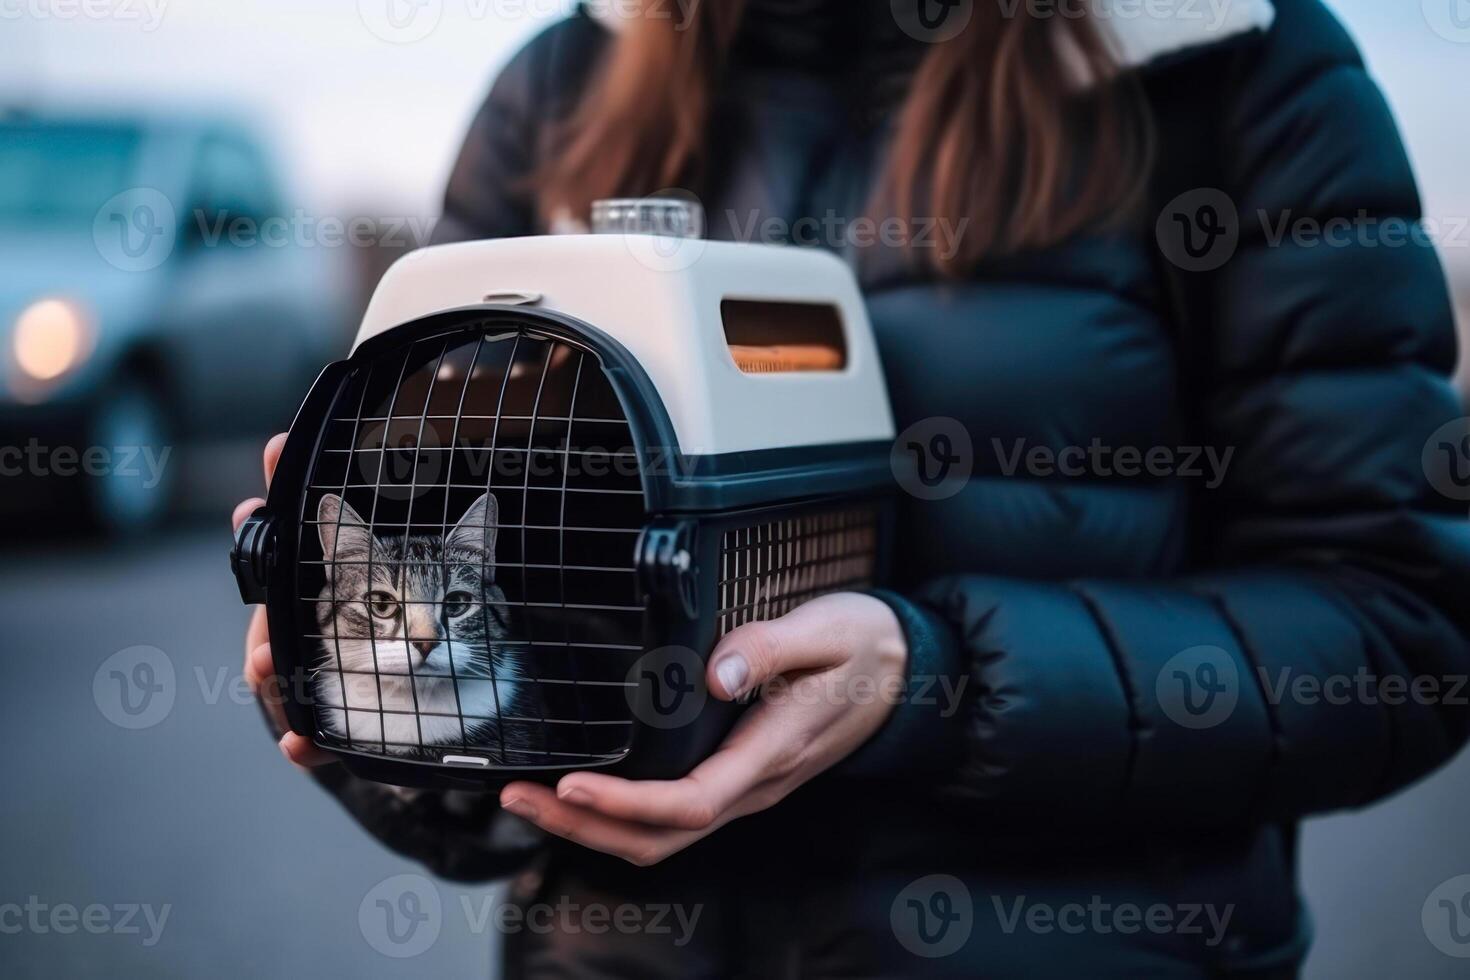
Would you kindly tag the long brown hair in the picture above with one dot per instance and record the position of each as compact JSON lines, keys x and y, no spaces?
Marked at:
{"x":1020,"y":123}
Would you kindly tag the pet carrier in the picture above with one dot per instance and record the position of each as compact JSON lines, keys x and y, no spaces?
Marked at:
{"x":505,"y":533}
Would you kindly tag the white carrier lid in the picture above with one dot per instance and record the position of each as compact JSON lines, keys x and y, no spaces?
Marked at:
{"x":660,"y":298}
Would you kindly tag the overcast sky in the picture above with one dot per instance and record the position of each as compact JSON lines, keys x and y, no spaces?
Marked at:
{"x":373,"y":124}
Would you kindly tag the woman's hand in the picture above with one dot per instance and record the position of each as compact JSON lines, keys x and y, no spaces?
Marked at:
{"x":259,"y":668}
{"x":829,"y":673}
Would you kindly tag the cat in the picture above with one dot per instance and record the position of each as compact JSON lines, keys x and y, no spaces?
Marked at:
{"x":429,"y":596}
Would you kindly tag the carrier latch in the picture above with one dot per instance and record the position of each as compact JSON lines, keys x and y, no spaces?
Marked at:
{"x":666,"y":564}
{"x":254,"y":555}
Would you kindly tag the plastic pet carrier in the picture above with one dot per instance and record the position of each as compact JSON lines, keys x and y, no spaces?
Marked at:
{"x":506,"y":532}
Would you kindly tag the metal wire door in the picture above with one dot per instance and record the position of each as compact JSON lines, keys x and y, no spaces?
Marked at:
{"x":466,"y":567}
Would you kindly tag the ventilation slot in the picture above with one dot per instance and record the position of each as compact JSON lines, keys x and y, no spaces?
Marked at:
{"x":779,"y":338}
{"x":767,"y":570}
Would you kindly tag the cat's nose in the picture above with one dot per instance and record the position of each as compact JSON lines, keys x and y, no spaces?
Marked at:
{"x":425,"y":647}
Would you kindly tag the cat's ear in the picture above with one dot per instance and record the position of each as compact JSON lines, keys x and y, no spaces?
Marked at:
{"x":477,"y":528}
{"x":344,"y":535}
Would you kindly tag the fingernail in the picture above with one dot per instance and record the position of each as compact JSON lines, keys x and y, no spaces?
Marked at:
{"x":575,"y":796}
{"x":520,"y":808}
{"x":732,"y":672}
{"x":287,"y":753}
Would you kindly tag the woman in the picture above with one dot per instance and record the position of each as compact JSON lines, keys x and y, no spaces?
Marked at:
{"x":1196,"y":478}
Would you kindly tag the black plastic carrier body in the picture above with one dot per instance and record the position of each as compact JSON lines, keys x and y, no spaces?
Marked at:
{"x":485,"y":558}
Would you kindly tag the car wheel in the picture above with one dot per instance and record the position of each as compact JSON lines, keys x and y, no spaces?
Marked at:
{"x":134,"y":491}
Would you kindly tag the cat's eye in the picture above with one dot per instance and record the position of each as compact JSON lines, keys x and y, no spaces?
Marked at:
{"x":383,"y":604}
{"x":456,"y":604}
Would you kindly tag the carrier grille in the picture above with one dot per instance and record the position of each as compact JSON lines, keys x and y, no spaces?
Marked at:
{"x":475,"y":597}
{"x":767,"y":570}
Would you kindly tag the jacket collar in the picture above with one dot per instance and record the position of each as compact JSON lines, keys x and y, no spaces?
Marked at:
{"x":1143,"y":31}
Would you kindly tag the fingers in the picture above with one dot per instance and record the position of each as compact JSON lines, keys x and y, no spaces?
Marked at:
{"x":645,"y":822}
{"x":258,"y":662}
{"x":243,"y":510}
{"x":270,"y":458}
{"x":259,"y":674}
{"x":299,"y":751}
{"x":636,"y":844}
{"x":808,"y":638}
{"x":257,"y":636}
{"x":702,"y":800}
{"x":273,"y":455}
{"x":259,"y":666}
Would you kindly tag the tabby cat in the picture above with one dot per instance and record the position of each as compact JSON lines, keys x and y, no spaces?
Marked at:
{"x":414,"y":638}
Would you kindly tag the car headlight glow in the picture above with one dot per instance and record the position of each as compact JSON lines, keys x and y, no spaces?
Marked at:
{"x":52,"y":336}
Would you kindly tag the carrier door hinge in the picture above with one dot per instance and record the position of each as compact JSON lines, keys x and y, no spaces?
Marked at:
{"x":254,"y":555}
{"x":666,"y":566}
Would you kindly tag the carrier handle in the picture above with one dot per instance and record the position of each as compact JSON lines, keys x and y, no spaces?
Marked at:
{"x":253,"y":557}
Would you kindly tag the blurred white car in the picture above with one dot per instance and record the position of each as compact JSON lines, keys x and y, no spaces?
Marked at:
{"x":153,"y":297}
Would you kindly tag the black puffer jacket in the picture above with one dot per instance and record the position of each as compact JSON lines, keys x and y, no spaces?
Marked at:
{"x":1135,"y":731}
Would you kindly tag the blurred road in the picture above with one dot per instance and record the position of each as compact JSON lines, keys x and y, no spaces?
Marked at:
{"x":262,"y":873}
{"x":199,"y":814}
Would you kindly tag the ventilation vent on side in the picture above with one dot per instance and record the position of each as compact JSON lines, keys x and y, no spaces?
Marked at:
{"x":775,"y":338}
{"x":767,"y":570}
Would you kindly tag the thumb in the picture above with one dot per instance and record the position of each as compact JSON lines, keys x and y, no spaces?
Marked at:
{"x":808,"y":638}
{"x":272,"y":455}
